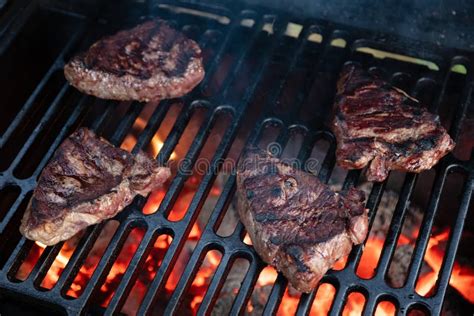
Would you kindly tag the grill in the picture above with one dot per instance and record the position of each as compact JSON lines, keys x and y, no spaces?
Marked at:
{"x":265,"y":70}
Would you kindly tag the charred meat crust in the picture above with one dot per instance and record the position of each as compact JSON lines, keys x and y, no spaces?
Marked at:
{"x":86,"y":181}
{"x":96,"y":178}
{"x":147,"y":63}
{"x":295,"y":222}
{"x":381,"y":126}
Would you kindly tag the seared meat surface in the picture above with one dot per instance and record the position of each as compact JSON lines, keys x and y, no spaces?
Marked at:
{"x":381,"y":126}
{"x":296,"y":223}
{"x":150,"y":62}
{"x":87,"y":181}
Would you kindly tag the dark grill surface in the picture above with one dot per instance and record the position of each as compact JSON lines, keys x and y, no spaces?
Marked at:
{"x":257,"y":79}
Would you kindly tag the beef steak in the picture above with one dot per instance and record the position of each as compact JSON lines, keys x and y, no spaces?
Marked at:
{"x":379,"y":125}
{"x":150,"y":62}
{"x":87,"y":181}
{"x":297,"y":223}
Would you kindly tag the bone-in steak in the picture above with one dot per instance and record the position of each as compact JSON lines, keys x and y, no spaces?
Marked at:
{"x":296,"y":223}
{"x":87,"y":181}
{"x":150,"y":62}
{"x":381,"y":126}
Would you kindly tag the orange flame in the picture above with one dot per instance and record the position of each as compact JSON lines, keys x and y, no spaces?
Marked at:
{"x":462,"y":277}
{"x":355,"y":304}
{"x":267,"y":276}
{"x":370,"y":258}
{"x":156,"y":143}
{"x":120,"y":266}
{"x":203,"y":277}
{"x":57,"y":267}
{"x":323,"y":300}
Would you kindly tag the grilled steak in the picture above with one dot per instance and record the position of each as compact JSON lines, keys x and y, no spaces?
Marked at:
{"x":147,"y":63}
{"x":87,"y":181}
{"x":295,"y":222}
{"x":381,"y":126}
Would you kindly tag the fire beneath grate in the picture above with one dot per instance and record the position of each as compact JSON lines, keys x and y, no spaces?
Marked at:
{"x":462,"y":278}
{"x":270,"y":79}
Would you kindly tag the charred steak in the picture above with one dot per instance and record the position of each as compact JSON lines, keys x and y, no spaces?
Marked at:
{"x":296,"y":223}
{"x":87,"y":181}
{"x":150,"y":62}
{"x":381,"y":126}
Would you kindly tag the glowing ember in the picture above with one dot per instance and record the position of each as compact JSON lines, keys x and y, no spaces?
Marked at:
{"x":247,"y":240}
{"x":267,"y":276}
{"x":354,"y":305}
{"x":289,"y":304}
{"x":120,"y":265}
{"x":57,"y":267}
{"x":370,"y":258}
{"x":155,"y":144}
{"x":323,"y":300}
{"x":385,"y":308}
{"x":340,"y":264}
{"x":154,"y":201}
{"x":462,"y":277}
{"x":205,"y":273}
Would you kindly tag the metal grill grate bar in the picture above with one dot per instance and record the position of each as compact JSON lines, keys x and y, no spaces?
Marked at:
{"x":40,"y":127}
{"x":126,"y":123}
{"x":245,"y":49}
{"x":66,"y":128}
{"x":462,"y":111}
{"x":77,"y":259}
{"x":396,"y":225}
{"x":130,"y":276}
{"x":107,"y":260}
{"x":42,"y":265}
{"x":56,"y":65}
{"x":99,"y":121}
{"x":453,"y":244}
{"x":152,"y":125}
{"x":425,"y":229}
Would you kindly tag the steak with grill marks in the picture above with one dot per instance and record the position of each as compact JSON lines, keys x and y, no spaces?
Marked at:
{"x":87,"y":181}
{"x":379,"y":125}
{"x":150,"y":62}
{"x":297,"y":223}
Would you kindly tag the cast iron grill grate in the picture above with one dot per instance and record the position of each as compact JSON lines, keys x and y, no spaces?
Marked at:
{"x":269,"y":43}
